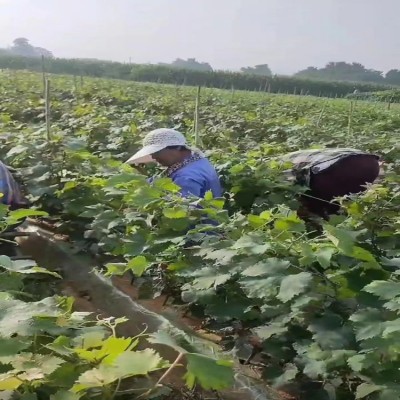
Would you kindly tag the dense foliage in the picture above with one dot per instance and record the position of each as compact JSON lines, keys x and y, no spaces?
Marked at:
{"x":49,"y":351}
{"x":319,"y":310}
{"x":178,"y":76}
{"x":388,"y":96}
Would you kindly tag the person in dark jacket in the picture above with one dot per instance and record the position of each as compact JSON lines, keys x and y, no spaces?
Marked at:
{"x":331,"y":173}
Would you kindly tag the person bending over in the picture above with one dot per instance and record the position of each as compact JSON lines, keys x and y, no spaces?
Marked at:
{"x":331,"y":173}
{"x":10,"y":190}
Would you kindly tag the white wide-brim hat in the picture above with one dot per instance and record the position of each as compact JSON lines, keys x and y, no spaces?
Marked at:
{"x":155,"y":141}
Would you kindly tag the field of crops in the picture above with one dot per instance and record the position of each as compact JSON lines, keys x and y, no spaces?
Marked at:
{"x":315,"y":313}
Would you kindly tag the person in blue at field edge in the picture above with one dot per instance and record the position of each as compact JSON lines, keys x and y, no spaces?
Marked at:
{"x":187,"y":167}
{"x":10,"y":190}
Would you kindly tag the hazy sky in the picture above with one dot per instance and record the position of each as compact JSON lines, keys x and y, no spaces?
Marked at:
{"x":287,"y":34}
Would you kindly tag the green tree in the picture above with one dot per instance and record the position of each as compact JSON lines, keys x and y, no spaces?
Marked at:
{"x":22,"y":47}
{"x":190,"y":64}
{"x":261,"y":69}
{"x":393,"y":77}
{"x":342,"y":71}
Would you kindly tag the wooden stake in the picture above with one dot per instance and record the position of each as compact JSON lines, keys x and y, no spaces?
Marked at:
{"x":47,"y":108}
{"x":197,"y":139}
{"x":44,"y":76}
{"x":266,"y":85}
{"x":321,"y":114}
{"x":351,"y":117}
{"x":75,"y":84}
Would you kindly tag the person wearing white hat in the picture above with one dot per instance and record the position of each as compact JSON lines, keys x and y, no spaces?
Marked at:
{"x":187,"y":167}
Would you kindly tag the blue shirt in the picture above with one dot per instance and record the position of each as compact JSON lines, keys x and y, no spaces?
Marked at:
{"x":197,"y":178}
{"x":8,"y":187}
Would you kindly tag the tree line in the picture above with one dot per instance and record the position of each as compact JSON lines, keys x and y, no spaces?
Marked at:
{"x":354,"y":72}
{"x":178,"y":76}
{"x":333,"y":71}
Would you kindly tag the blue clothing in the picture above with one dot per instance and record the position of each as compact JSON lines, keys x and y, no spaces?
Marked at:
{"x":8,"y":187}
{"x":197,"y":178}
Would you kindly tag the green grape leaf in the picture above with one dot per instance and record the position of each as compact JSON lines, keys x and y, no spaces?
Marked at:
{"x":315,"y":368}
{"x":291,"y":223}
{"x":143,"y":196}
{"x":359,"y":362}
{"x":6,"y":262}
{"x":89,"y":340}
{"x":324,"y":256}
{"x":24,"y":362}
{"x":29,"y":396}
{"x":391,"y":327}
{"x":175,"y":212}
{"x":132,"y":363}
{"x":341,"y":238}
{"x":261,"y":288}
{"x":208,"y":277}
{"x":221,"y":256}
{"x":138,"y":265}
{"x":365,"y":389}
{"x":368,"y":323}
{"x":393,"y":305}
{"x":173,"y":338}
{"x":118,"y":269}
{"x":9,"y":382}
{"x":288,"y":375}
{"x":65,"y":395}
{"x":96,"y":377}
{"x":330,"y":332}
{"x":293,"y":285}
{"x":16,"y":215}
{"x":274,"y":328}
{"x":12,"y":346}
{"x":208,"y":372}
{"x":114,"y":347}
{"x":110,"y":349}
{"x":385,"y":290}
{"x":127,"y":364}
{"x":166,"y":184}
{"x":125,"y":178}
{"x":32,"y":374}
{"x":18,"y":317}
{"x":256,"y":221}
{"x":360,"y":253}
{"x":269,"y":266}
{"x":389,"y":394}
{"x":24,"y":267}
{"x":65,"y":376}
